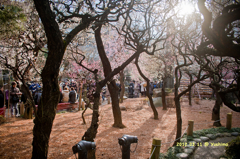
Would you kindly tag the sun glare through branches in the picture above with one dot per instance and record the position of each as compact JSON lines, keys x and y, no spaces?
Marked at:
{"x":185,"y":8}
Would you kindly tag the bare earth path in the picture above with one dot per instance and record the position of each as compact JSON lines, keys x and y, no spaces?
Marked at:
{"x":16,"y":136}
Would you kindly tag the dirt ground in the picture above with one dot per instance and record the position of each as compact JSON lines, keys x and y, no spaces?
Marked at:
{"x":16,"y":134}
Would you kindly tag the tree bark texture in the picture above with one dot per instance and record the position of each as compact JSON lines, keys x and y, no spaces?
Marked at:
{"x":226,"y":98}
{"x":46,"y":111}
{"x":50,"y":97}
{"x":122,"y":86}
{"x":86,"y":100}
{"x":190,"y":91}
{"x":179,"y":119}
{"x":113,"y":90}
{"x":215,"y":31}
{"x":216,"y":108}
{"x":91,"y":133}
{"x":178,"y":106}
{"x":155,"y":113}
{"x":164,"y":94}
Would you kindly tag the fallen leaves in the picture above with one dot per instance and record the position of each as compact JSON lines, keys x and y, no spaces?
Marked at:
{"x":16,"y":135}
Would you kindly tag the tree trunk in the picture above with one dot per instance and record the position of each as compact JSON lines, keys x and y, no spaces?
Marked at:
{"x":44,"y":117}
{"x":178,"y":106}
{"x":190,"y":91}
{"x":91,"y":133}
{"x":50,"y":96}
{"x":122,"y":86}
{"x":164,"y":95}
{"x":179,"y":119}
{"x":216,"y":110}
{"x":86,"y":100}
{"x":113,"y":90}
{"x":155,"y":113}
{"x":213,"y":93}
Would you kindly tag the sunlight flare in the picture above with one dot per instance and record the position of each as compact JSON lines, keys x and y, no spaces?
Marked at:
{"x":185,"y":8}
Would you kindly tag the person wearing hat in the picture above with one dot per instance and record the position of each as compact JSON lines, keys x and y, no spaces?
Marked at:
{"x":14,"y":92}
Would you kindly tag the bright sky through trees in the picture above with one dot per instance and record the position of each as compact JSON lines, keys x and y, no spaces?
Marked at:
{"x":185,"y":8}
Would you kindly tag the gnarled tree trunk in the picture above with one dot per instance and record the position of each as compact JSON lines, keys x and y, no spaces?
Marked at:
{"x":113,"y":89}
{"x":216,"y":108}
{"x":46,"y":111}
{"x":179,"y":118}
{"x":50,"y":97}
{"x":91,"y":133}
{"x":155,"y":113}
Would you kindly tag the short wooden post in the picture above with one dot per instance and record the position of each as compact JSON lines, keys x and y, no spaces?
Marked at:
{"x":190,"y":128}
{"x":109,"y":100}
{"x":21,"y":109}
{"x":31,"y":113}
{"x":229,"y":121}
{"x":155,"y":143}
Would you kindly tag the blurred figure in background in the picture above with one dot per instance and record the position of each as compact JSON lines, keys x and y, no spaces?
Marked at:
{"x":14,"y":92}
{"x":1,"y":97}
{"x":65,"y":94}
{"x":72,"y":96}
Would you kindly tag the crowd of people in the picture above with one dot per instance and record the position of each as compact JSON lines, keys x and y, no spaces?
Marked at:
{"x":68,"y":92}
{"x":136,"y":88}
{"x":67,"y":95}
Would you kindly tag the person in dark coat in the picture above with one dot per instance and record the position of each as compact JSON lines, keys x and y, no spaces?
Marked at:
{"x":72,"y":96}
{"x":130,"y":90}
{"x":14,"y":92}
